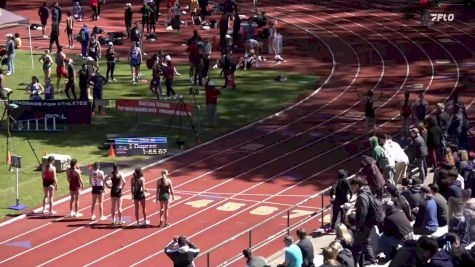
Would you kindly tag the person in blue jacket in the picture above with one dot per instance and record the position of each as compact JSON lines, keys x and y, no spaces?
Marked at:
{"x":85,"y":36}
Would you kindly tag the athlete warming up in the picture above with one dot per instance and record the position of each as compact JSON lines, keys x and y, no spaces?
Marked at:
{"x":118,"y":183}
{"x":164,"y":190}
{"x":49,"y":185}
{"x":97,"y":181}
{"x":138,"y":194}
{"x":75,"y":187}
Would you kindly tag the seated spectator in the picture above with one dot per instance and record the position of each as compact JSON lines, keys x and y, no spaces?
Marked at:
{"x":396,"y":228}
{"x":344,"y":255}
{"x":340,"y":194}
{"x":182,"y":252}
{"x":461,"y":257}
{"x":429,"y":255}
{"x":426,"y":219}
{"x":343,"y":236}
{"x":455,"y":184}
{"x":400,"y":201}
{"x":293,"y":254}
{"x":405,"y":256}
{"x":442,"y":208}
{"x":330,"y":257}
{"x":459,"y":222}
{"x":306,"y":248}
{"x":413,"y":195}
{"x":254,"y":261}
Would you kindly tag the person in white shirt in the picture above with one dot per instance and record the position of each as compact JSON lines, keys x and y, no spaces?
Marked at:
{"x":389,"y":171}
{"x":400,"y":157}
{"x":97,"y":182}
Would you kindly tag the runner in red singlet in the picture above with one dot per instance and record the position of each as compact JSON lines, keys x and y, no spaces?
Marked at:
{"x":75,"y":187}
{"x":49,"y":185}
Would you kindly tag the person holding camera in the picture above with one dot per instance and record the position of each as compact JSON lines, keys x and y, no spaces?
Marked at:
{"x":182,"y":252}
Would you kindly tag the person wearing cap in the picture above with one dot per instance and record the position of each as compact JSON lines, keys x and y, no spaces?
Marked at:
{"x":169,"y":72}
{"x":111,"y":57}
{"x":128,"y":16}
{"x":212,"y":94}
{"x":135,"y":59}
{"x":293,"y":254}
{"x":182,"y":252}
{"x":418,"y":149}
{"x":340,"y":193}
{"x":426,"y":219}
{"x":43,"y":13}
{"x":71,"y":84}
{"x":252,"y":260}
{"x":10,"y":54}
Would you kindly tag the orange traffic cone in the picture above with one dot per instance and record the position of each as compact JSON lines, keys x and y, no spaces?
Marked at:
{"x":111,"y":151}
{"x":9,"y":158}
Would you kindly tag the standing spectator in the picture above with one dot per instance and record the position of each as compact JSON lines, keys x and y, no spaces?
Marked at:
{"x":69,"y":30}
{"x":99,"y":7}
{"x":406,"y":112}
{"x":293,"y":255}
{"x":340,"y":194}
{"x":83,"y":83}
{"x":157,"y":8}
{"x":78,"y":13}
{"x":458,"y":127}
{"x":364,"y":223}
{"x":182,"y":252}
{"x":374,"y":177}
{"x":223,"y":29}
{"x":75,"y":186}
{"x":43,"y":13}
{"x":96,"y":179}
{"x":138,"y":190}
{"x":60,"y":68}
{"x":135,"y":59}
{"x":170,"y":4}
{"x":254,"y":261}
{"x":236,"y":30}
{"x":145,"y":11}
{"x":71,"y":84}
{"x":193,"y":58}
{"x":419,"y":108}
{"x":157,"y":72}
{"x":443,"y":119}
{"x":54,"y":36}
{"x":111,"y":57}
{"x":84,"y":35}
{"x":56,"y":13}
{"x":176,"y":21}
{"x":203,"y":8}
{"x":306,"y":248}
{"x":169,"y":75}
{"x":426,"y":220}
{"x":442,"y":208}
{"x":400,"y":201}
{"x":206,"y":53}
{"x":94,"y":4}
{"x":419,"y":151}
{"x":10,"y":54}
{"x":98,"y":82}
{"x":422,"y":130}
{"x":212,"y":94}
{"x":401,"y":159}
{"x":94,"y":49}
{"x":153,"y":18}
{"x":272,"y":40}
{"x":434,"y":138}
{"x":128,"y":16}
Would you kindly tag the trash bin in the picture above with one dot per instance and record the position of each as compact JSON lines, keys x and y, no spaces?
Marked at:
{"x":279,"y":45}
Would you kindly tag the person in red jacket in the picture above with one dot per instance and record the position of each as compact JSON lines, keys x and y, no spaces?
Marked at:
{"x":94,"y":4}
{"x":212,"y":94}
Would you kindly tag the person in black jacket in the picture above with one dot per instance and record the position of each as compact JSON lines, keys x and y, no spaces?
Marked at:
{"x":460,"y":255}
{"x":442,"y":118}
{"x":400,"y":201}
{"x":340,"y":194}
{"x":419,"y":151}
{"x":128,"y":15}
{"x":306,"y":247}
{"x":396,"y":229}
{"x":182,"y":252}
{"x":434,"y":137}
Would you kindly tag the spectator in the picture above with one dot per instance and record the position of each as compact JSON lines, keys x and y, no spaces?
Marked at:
{"x":343,"y":236}
{"x":456,"y":184}
{"x":396,"y":229}
{"x":182,"y":252}
{"x":56,"y":13}
{"x":254,"y":261}
{"x":17,"y":40}
{"x":98,"y":82}
{"x":344,"y":255}
{"x":152,"y":21}
{"x":94,"y":50}
{"x":429,"y":255}
{"x":169,"y":74}
{"x":461,"y":257}
{"x":329,"y":257}
{"x":10,"y":54}
{"x":419,"y":151}
{"x":43,"y":13}
{"x":400,"y":201}
{"x":157,"y":72}
{"x":206,"y":54}
{"x":111,"y":57}
{"x":212,"y":94}
{"x":84,"y":36}
{"x":145,"y":11}
{"x":385,"y":158}
{"x":434,"y":137}
{"x":459,"y":222}
{"x":223,"y":29}
{"x":78,"y":13}
{"x":458,"y":126}
{"x":128,"y":16}
{"x":400,"y":158}
{"x":340,"y":194}
{"x":293,"y":255}
{"x":442,"y":118}
{"x":426,"y":220}
{"x":194,"y":60}
{"x":49,"y":89}
{"x":306,"y":248}
{"x":441,"y":202}
{"x":176,"y":21}
{"x":35,"y":88}
{"x":71,"y":84}
{"x":413,"y":194}
{"x":83,"y":83}
{"x":236,"y":29}
{"x":203,"y":8}
{"x":194,"y":12}
{"x":54,"y":35}
{"x":364,"y":223}
{"x":419,"y":108}
{"x":374,"y":177}
{"x":94,"y":7}
{"x":136,"y":34}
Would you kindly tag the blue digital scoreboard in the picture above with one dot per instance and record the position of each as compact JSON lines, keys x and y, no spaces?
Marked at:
{"x":147,"y":146}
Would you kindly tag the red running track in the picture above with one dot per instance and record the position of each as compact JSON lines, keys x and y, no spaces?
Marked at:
{"x":276,"y":162}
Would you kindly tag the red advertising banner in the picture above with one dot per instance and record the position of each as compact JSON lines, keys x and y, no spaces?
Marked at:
{"x":153,"y":106}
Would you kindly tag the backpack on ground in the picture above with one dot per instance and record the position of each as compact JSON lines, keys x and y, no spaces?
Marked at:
{"x":97,"y":30}
{"x":376,"y":212}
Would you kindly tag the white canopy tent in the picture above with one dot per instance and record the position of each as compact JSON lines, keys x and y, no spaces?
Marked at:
{"x":10,"y":20}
